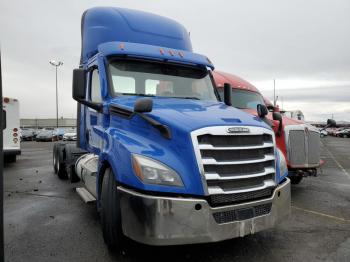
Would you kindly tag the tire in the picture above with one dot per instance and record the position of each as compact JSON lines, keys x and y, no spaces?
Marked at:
{"x":72,"y":154}
{"x":110,"y":213}
{"x":54,"y":158}
{"x":295,"y":179}
{"x":345,"y":136}
{"x":314,"y":172}
{"x":61,"y":166}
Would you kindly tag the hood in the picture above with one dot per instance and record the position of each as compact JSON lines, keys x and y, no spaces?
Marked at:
{"x":189,"y":114}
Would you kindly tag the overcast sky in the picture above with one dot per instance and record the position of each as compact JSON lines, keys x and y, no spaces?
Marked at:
{"x":304,"y":45}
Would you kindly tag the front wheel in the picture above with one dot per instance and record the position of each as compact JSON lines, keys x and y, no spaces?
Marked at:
{"x":54,"y":158}
{"x":61,"y":164}
{"x":110,"y":213}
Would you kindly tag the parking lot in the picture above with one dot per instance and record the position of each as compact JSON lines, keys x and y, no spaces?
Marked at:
{"x":45,"y":220}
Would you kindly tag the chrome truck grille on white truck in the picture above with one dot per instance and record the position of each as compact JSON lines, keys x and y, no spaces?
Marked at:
{"x":237,"y":165}
{"x":303,"y":146}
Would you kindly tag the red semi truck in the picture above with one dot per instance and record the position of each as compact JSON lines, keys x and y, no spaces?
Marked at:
{"x":299,"y":141}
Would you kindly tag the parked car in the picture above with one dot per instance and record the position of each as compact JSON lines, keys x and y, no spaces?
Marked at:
{"x":70,"y":135}
{"x":45,"y":135}
{"x":332,"y":131}
{"x":344,"y":133}
{"x":27,"y":134}
{"x":59,"y":133}
{"x":323,"y":133}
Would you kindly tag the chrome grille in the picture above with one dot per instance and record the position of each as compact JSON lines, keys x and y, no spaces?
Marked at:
{"x":314,"y":148}
{"x":303,"y":146}
{"x":297,"y":147}
{"x":223,"y":199}
{"x":235,"y":165}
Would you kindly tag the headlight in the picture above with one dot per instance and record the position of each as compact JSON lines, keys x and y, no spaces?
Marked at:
{"x":151,"y":171}
{"x":283,"y":168}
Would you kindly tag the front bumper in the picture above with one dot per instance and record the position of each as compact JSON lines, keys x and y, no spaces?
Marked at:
{"x":157,"y":220}
{"x":11,"y":152}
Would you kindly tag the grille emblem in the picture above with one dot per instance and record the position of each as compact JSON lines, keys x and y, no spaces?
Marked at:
{"x":238,"y":130}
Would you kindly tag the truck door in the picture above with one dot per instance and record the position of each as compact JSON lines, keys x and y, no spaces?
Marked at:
{"x":93,"y":118}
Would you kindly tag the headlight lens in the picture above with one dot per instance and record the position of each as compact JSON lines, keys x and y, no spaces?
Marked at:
{"x":282,"y":164}
{"x":151,"y":171}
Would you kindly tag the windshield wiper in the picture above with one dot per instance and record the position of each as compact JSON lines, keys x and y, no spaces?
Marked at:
{"x":184,"y":97}
{"x":138,"y":94}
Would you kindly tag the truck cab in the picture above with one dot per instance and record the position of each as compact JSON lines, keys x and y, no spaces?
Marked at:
{"x":167,"y":162}
{"x":299,"y":141}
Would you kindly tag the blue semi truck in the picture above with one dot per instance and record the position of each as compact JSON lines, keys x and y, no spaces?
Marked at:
{"x":166,"y":161}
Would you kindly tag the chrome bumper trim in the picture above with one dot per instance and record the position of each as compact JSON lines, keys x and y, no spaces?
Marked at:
{"x":160,"y":221}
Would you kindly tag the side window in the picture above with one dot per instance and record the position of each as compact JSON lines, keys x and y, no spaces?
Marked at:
{"x":95,"y":88}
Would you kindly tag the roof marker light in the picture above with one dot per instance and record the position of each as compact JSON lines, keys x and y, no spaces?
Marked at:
{"x":121,"y":46}
{"x":171,"y":52}
{"x":181,"y":54}
{"x":161,"y":51}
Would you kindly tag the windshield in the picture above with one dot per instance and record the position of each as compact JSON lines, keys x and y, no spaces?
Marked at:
{"x":244,"y":99}
{"x":159,"y":79}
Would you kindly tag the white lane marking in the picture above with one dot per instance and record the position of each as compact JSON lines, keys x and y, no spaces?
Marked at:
{"x":336,"y":161}
{"x":322,"y":214}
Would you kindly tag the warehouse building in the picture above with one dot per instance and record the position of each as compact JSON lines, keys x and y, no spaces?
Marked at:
{"x":38,"y":123}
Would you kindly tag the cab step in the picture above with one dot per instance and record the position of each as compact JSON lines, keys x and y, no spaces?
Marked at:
{"x":85,"y":195}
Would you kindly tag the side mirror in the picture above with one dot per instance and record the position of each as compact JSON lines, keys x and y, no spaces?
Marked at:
{"x":278,"y":117}
{"x":79,"y":84}
{"x":143,"y":105}
{"x":79,"y":89}
{"x":331,"y":123}
{"x":271,"y":108}
{"x":262,"y":110}
{"x":227,"y":94}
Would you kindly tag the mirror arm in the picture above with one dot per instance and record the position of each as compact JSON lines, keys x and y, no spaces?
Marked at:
{"x":97,"y":106}
{"x":279,"y":131}
{"x":163,"y":129}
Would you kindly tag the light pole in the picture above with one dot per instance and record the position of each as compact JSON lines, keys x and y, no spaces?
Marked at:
{"x":56,"y":64}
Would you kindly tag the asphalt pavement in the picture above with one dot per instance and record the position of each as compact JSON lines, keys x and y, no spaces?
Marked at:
{"x":45,"y":220}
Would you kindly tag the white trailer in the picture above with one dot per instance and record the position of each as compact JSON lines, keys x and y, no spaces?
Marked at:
{"x":11,"y":134}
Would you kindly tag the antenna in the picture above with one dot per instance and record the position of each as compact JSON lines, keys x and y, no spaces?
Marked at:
{"x":274,"y":93}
